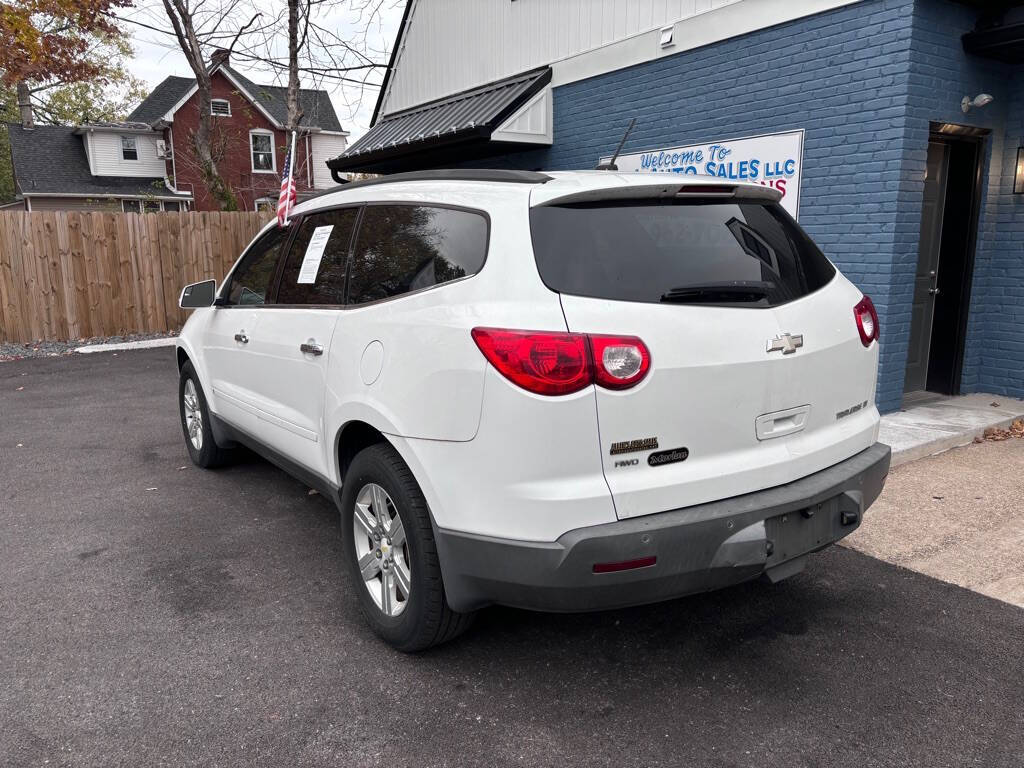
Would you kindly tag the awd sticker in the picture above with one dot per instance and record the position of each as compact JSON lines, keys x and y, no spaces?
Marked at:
{"x":632,"y":446}
{"x":668,"y":457}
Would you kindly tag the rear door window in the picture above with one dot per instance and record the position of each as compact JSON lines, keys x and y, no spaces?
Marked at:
{"x":314,"y":272}
{"x":749,"y":254}
{"x":405,"y":248}
{"x":252,"y":278}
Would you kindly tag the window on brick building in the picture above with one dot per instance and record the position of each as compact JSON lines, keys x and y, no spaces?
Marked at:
{"x":220,"y":107}
{"x":261,"y":144}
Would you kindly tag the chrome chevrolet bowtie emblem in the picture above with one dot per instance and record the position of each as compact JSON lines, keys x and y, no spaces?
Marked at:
{"x":786,"y":342}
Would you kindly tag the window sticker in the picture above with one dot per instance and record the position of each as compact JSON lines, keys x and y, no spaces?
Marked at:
{"x":314,"y":253}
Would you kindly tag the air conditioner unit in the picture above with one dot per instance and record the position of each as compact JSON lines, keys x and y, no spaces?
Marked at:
{"x":161,"y":149}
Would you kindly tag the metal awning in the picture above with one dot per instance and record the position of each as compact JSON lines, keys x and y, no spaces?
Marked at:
{"x":415,"y":138}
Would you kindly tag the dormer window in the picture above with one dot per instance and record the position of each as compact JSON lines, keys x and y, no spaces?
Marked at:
{"x":129,"y":151}
{"x":220,"y":108}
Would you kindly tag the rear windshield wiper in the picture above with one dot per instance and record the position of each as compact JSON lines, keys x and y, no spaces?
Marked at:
{"x":732,"y":290}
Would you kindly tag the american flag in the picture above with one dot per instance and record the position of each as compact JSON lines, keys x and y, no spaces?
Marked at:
{"x":288,"y":195}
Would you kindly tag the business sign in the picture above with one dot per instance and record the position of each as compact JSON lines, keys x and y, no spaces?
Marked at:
{"x":774,"y":160}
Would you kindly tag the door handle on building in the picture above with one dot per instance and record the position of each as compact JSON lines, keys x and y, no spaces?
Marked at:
{"x":311,"y":348}
{"x":241,"y":338}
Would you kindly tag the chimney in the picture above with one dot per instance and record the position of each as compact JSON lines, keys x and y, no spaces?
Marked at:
{"x":220,"y":56}
{"x":25,"y":106}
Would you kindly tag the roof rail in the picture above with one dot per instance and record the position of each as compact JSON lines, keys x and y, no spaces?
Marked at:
{"x":457,"y":174}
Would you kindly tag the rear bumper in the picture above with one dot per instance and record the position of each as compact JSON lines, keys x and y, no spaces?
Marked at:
{"x":697,"y":548}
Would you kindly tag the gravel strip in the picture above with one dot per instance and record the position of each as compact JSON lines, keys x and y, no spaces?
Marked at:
{"x":14,"y":351}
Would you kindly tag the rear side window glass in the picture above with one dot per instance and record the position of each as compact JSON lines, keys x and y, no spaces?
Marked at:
{"x":704,"y":252}
{"x":314,"y":272}
{"x":251,"y":279}
{"x":404,"y":248}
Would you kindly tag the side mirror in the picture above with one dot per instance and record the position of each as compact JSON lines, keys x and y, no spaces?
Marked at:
{"x":198,"y":295}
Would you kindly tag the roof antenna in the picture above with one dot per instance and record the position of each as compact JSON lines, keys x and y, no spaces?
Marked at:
{"x":610,"y":165}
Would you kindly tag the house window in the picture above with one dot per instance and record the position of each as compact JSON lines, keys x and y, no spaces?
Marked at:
{"x":262,"y":145}
{"x":151,"y":206}
{"x":129,"y":151}
{"x":172,"y":205}
{"x":131,"y":206}
{"x":220,"y":108}
{"x":265,"y":204}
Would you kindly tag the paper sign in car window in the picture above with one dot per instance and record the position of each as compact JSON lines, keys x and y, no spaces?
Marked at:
{"x":314,"y":253}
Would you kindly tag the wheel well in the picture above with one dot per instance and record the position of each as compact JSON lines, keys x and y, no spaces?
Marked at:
{"x":354,"y":437}
{"x":182,"y":358}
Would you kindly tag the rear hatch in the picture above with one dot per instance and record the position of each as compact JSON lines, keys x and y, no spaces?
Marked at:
{"x":758,"y":373}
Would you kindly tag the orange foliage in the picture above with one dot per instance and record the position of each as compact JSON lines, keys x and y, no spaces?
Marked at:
{"x":51,"y":39}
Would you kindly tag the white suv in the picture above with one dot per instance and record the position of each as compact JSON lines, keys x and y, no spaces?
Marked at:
{"x":565,"y":391}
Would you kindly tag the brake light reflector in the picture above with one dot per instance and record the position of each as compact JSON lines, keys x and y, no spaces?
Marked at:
{"x":619,"y":361}
{"x":554,"y":363}
{"x":867,"y":321}
{"x":625,"y":565}
{"x":538,"y":361}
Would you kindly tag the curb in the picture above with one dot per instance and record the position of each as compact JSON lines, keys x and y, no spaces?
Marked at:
{"x":941,"y":445}
{"x":88,"y":349}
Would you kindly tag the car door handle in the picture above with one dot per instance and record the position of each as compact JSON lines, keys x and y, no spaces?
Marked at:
{"x":933,"y":291}
{"x":311,"y":348}
{"x":241,"y":338}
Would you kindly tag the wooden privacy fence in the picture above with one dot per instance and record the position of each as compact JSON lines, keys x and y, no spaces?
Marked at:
{"x":69,"y":275}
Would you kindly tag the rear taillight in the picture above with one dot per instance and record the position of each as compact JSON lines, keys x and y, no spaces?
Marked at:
{"x":619,"y":361}
{"x":562,"y":363}
{"x":867,"y":321}
{"x":545,"y":363}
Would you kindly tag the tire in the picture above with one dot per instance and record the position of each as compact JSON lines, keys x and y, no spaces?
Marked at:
{"x":202,"y":448}
{"x":420,"y":618}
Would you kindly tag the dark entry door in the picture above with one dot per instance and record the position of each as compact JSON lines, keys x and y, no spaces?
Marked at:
{"x":926,"y":279}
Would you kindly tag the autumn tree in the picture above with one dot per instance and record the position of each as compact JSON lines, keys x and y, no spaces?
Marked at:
{"x":46,"y":44}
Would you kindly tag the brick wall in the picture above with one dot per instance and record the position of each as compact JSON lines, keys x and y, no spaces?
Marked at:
{"x":940,"y":75}
{"x":863,"y":82}
{"x":231,"y":133}
{"x":996,"y":336}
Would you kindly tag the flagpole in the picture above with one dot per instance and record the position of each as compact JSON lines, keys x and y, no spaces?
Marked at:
{"x":291,"y":175}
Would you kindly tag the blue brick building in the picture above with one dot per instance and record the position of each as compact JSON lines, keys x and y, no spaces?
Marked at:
{"x":897,"y":180}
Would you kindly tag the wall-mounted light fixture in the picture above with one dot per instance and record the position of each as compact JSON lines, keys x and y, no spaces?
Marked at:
{"x":1018,"y":175}
{"x":978,"y":101}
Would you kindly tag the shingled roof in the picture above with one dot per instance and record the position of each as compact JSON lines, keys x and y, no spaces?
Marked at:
{"x":318,"y":112}
{"x":50,"y":159}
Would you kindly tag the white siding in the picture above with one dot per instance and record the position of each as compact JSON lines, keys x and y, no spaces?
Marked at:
{"x":325,"y":147}
{"x":453,"y":45}
{"x":105,"y":155}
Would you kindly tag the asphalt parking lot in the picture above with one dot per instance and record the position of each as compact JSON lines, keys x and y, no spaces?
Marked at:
{"x":154,"y":614}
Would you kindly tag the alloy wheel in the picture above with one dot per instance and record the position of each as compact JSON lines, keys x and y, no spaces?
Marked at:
{"x":193,"y":415}
{"x":382,"y":551}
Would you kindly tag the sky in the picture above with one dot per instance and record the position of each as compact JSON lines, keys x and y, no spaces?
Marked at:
{"x":157,"y":56}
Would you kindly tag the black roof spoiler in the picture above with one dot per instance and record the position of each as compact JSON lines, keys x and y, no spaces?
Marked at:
{"x":670,"y":191}
{"x":458,"y":174}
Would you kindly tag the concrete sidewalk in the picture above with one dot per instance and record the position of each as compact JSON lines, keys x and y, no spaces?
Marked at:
{"x":956,"y":517}
{"x":937,"y":424}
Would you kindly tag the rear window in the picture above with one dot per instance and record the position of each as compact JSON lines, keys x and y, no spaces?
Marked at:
{"x":653,"y":251}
